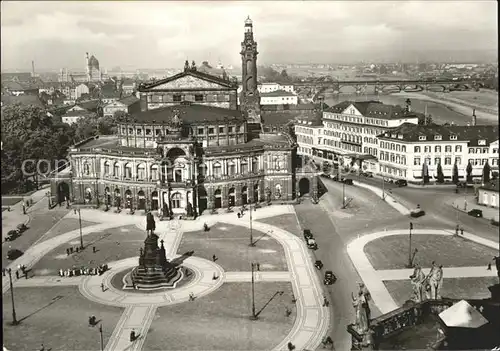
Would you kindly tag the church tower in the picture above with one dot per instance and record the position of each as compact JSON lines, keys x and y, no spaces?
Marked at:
{"x":249,"y":98}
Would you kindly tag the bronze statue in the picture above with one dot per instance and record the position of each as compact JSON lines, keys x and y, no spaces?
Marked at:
{"x":150,"y":223}
{"x":189,"y":209}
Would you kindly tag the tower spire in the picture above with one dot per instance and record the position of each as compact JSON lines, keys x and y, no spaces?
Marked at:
{"x":250,"y":100}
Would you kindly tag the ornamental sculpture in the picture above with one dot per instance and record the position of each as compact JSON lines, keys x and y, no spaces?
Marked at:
{"x":359,"y":303}
{"x":427,"y":287}
{"x":418,"y":283}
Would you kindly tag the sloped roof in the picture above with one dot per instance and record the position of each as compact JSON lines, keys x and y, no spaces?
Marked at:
{"x":77,"y":113}
{"x":472,"y":134}
{"x":375,"y":109}
{"x":196,"y":74}
{"x":189,"y":113}
{"x":129,"y":100}
{"x":462,"y":315}
{"x":277,"y":93}
{"x":90,"y":105}
{"x":25,"y":100}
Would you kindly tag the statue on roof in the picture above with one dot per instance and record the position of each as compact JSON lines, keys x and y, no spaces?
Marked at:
{"x":224,"y":75}
{"x":186,"y":66}
{"x":176,"y":120}
{"x":193,"y":66}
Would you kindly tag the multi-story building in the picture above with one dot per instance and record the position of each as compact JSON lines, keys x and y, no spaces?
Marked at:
{"x":349,"y":131}
{"x":270,"y":87}
{"x":129,"y":105}
{"x":403,"y":151}
{"x":189,"y":147}
{"x":278,"y":97}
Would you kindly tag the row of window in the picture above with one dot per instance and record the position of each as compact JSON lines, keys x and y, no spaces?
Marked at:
{"x":437,"y":160}
{"x":399,"y":159}
{"x":305,"y":139}
{"x":359,"y":120}
{"x":395,"y":171}
{"x":180,"y":97}
{"x":200,"y":130}
{"x":303,"y":130}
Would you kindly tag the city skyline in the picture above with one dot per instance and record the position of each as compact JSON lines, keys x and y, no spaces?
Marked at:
{"x":161,"y":34}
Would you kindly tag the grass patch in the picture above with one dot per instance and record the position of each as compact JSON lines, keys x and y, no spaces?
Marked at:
{"x":286,"y":222}
{"x":231,"y":244}
{"x":391,"y":252}
{"x":56,"y":317}
{"x":10,"y":201}
{"x":455,"y":288}
{"x":220,"y":320}
{"x":64,"y":226}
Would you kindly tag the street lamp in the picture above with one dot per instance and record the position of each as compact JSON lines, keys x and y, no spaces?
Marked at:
{"x":410,"y":263}
{"x":102,"y":341}
{"x":383,"y":187}
{"x":254,"y":315}
{"x":14,"y":319}
{"x":80,"y":224}
{"x":251,"y":230}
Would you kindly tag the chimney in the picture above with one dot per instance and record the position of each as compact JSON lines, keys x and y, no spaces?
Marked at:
{"x":474,"y":118}
{"x":32,"y":68}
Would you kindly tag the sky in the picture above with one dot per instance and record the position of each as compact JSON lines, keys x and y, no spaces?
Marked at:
{"x":163,"y":34}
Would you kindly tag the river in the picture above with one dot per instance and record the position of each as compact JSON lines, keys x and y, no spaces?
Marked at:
{"x":441,"y":111}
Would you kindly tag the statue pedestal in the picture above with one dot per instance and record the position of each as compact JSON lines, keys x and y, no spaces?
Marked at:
{"x":495,"y":292}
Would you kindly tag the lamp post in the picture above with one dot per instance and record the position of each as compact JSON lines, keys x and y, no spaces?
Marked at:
{"x":102,"y":340}
{"x":410,"y":263}
{"x":254,"y":315}
{"x":251,"y":230}
{"x":343,"y":195}
{"x":383,"y":187}
{"x":14,"y":319}
{"x":80,"y":224}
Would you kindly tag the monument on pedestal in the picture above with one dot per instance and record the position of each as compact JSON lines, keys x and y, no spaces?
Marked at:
{"x":154,"y":270}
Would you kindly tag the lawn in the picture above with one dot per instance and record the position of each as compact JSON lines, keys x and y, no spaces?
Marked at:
{"x":220,"y":320}
{"x":391,"y":252}
{"x":64,"y":226}
{"x":231,"y":245}
{"x":10,"y":201}
{"x":56,"y":317}
{"x":112,"y":245}
{"x":286,"y":222}
{"x":455,"y":288}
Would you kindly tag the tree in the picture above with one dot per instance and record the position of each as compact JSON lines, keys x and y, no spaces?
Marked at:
{"x":486,"y":173}
{"x":425,"y":173}
{"x":455,"y":174}
{"x":440,"y":175}
{"x":468,"y":170}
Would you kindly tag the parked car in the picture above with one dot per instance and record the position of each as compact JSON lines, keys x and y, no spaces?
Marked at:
{"x":318,"y":264}
{"x":475,"y":213}
{"x":367,"y":174}
{"x":401,"y":182}
{"x":307,"y":234}
{"x":12,"y":235}
{"x":417,"y":212}
{"x":13,"y":254}
{"x":21,"y":227}
{"x":330,"y":278}
{"x":348,"y":181}
{"x":334,"y":177}
{"x":311,"y":244}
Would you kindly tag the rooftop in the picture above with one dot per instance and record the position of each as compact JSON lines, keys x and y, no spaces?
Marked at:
{"x":277,"y":93}
{"x":90,"y":105}
{"x":129,"y":100}
{"x":424,"y":133}
{"x":193,"y":73}
{"x":189,"y":113}
{"x":22,"y":100}
{"x":375,"y":109}
{"x":77,"y":113}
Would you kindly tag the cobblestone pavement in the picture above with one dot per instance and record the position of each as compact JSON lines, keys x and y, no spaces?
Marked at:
{"x":312,"y":319}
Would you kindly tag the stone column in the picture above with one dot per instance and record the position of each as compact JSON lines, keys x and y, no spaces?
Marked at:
{"x":217,"y":132}
{"x":237,"y":195}
{"x":210,"y":195}
{"x":262,"y":188}
{"x":225,"y":196}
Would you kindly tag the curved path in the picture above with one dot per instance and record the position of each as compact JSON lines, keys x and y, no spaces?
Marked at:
{"x":373,"y":279}
{"x":311,"y":323}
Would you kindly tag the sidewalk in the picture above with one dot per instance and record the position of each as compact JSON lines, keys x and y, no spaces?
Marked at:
{"x":388,"y":198}
{"x":488,"y":212}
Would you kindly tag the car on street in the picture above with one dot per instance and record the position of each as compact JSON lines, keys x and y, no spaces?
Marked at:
{"x":417,"y":212}
{"x":475,"y":213}
{"x":311,"y":244}
{"x":307,"y":234}
{"x":318,"y":264}
{"x":14,"y":254}
{"x":21,"y":227}
{"x":347,"y":181}
{"x":330,"y":278}
{"x":401,"y":182}
{"x":367,"y":174}
{"x":12,"y":235}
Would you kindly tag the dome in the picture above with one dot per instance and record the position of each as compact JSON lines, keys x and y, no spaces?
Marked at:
{"x":93,"y":62}
{"x":248,"y":21}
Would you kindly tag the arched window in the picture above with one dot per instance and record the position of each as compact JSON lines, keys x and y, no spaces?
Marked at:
{"x":403,"y":148}
{"x":176,"y":200}
{"x":86,"y":168}
{"x":243,"y":167}
{"x":277,"y":193}
{"x":154,"y":172}
{"x":255,"y":163}
{"x":141,"y":171}
{"x":416,"y":149}
{"x":106,"y":169}
{"x":231,"y":168}
{"x":116,"y":169}
{"x":128,"y":171}
{"x":217,"y":169}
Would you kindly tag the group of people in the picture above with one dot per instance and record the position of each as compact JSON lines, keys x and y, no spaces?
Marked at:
{"x":75,"y":272}
{"x":20,"y":268}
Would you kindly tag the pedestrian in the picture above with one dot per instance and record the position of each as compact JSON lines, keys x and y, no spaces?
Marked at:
{"x":61,"y":273}
{"x":132,"y":336}
{"x":77,"y":249}
{"x":258,"y":266}
{"x":457,"y":229}
{"x":288,"y":312}
{"x":325,"y":301}
{"x":24,"y":209}
{"x":215,"y":277}
{"x":462,"y":231}
{"x":71,"y":250}
{"x":93,"y":249}
{"x":214,"y":258}
{"x":102,"y":287}
{"x":26,"y":274}
{"x":42,"y":348}
{"x":67,"y":251}
{"x":239,"y":215}
{"x":17,"y":274}
{"x":489,"y":266}
{"x":291,"y":346}
{"x":3,"y":271}
{"x":191,"y":296}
